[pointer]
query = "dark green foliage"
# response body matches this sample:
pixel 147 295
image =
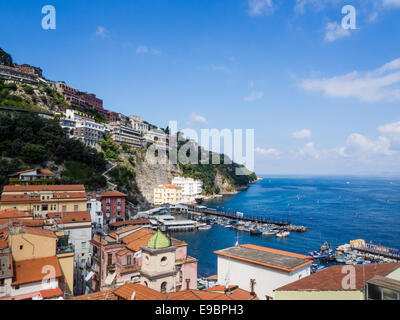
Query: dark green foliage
pixel 35 140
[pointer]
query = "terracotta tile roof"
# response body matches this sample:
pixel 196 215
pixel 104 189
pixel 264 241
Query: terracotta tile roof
pixel 235 293
pixel 141 292
pixel 16 198
pixel 47 171
pixel 40 232
pixel 331 278
pixel 214 277
pixel 51 293
pixel 13 213
pixel 28 271
pixel 68 195
pixel 102 295
pixel 113 194
pixel 129 270
pixel 129 222
pixel 30 188
pixel 42 171
pixel 196 295
pixel 24 222
pixel 141 233
pixel 79 216
pixel 268 257
pixel 123 252
pixel 123 230
pixel 3 243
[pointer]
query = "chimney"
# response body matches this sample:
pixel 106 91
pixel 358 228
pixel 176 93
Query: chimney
pixel 252 284
pixel 187 284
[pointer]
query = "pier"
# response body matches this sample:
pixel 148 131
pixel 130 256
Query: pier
pixel 201 210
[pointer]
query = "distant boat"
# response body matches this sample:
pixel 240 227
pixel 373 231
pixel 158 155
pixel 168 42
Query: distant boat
pixel 348 182
pixel 255 232
pixel 270 232
pixel 283 234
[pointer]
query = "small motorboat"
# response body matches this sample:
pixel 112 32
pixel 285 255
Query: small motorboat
pixel 271 232
pixel 203 226
pixel 255 232
pixel 283 234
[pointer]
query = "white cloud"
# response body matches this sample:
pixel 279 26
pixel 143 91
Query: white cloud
pixel 272 152
pixel 254 96
pixel 195 118
pixel 382 84
pixel 101 32
pixel 391 3
pixel 358 145
pixel 143 49
pixel 334 31
pixel 260 7
pixel 302 134
pixel 392 130
pixel 309 151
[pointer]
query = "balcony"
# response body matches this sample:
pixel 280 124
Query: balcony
pixel 111 268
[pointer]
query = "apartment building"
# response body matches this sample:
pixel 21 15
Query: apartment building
pixel 167 194
pixel 191 189
pixel 32 176
pixel 125 134
pixel 113 206
pixel 96 213
pixel 42 199
pixel 156 137
pixel 93 102
pixel 18 74
pixel 138 124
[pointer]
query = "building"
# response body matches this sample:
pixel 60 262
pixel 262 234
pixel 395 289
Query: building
pixel 137 291
pixel 71 95
pixel 113 206
pixel 32 176
pixel 43 199
pixel 259 269
pixel 83 127
pixel 96 214
pixel 385 286
pixel 138 124
pixel 167 194
pixel 156 137
pixel 335 283
pixel 93 102
pixel 78 227
pixel 117 259
pixel 37 253
pixel 125 134
pixel 18 74
pixel 169 223
pixel 191 189
pixel 6 272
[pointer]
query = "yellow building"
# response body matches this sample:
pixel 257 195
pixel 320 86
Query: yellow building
pixel 345 282
pixel 36 245
pixel 167 194
pixel 40 200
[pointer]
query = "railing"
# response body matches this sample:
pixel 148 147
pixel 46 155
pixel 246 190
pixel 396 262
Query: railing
pixel 65 249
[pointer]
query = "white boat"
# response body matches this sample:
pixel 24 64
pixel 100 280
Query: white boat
pixel 283 234
pixel 270 232
pixel 203 226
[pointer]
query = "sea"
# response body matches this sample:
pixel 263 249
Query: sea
pixel 334 209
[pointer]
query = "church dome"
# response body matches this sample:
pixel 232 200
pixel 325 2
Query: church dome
pixel 158 241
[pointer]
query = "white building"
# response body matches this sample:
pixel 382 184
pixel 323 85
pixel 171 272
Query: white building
pixel 124 134
pixel 157 137
pixel 94 207
pixel 260 269
pixel 191 189
pixel 78 226
pixel 138 124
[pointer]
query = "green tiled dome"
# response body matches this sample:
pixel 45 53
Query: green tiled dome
pixel 158 241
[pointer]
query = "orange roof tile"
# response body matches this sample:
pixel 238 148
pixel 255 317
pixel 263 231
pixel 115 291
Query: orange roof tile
pixel 51 293
pixel 16 198
pixel 141 292
pixel 123 230
pixel 123 252
pixel 102 295
pixel 214 277
pixel 40 232
pixel 30 188
pixel 28 271
pixel 331 278
pixel 168 186
pixel 113 194
pixel 78 216
pixel 235 292
pixel 196 295
pixel 13 213
pixel 47 171
pixel 24 222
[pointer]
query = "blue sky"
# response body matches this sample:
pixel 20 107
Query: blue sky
pixel 322 100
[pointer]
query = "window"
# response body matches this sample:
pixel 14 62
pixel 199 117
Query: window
pixel 163 261
pixel 1 282
pixel 76 207
pixel 64 208
pixel 164 287
pixel 21 247
pixel 129 260
pixel 45 207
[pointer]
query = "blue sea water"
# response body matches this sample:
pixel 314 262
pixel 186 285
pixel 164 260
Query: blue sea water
pixel 332 210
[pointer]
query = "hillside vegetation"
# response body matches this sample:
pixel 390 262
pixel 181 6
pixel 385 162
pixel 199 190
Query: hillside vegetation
pixel 28 141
